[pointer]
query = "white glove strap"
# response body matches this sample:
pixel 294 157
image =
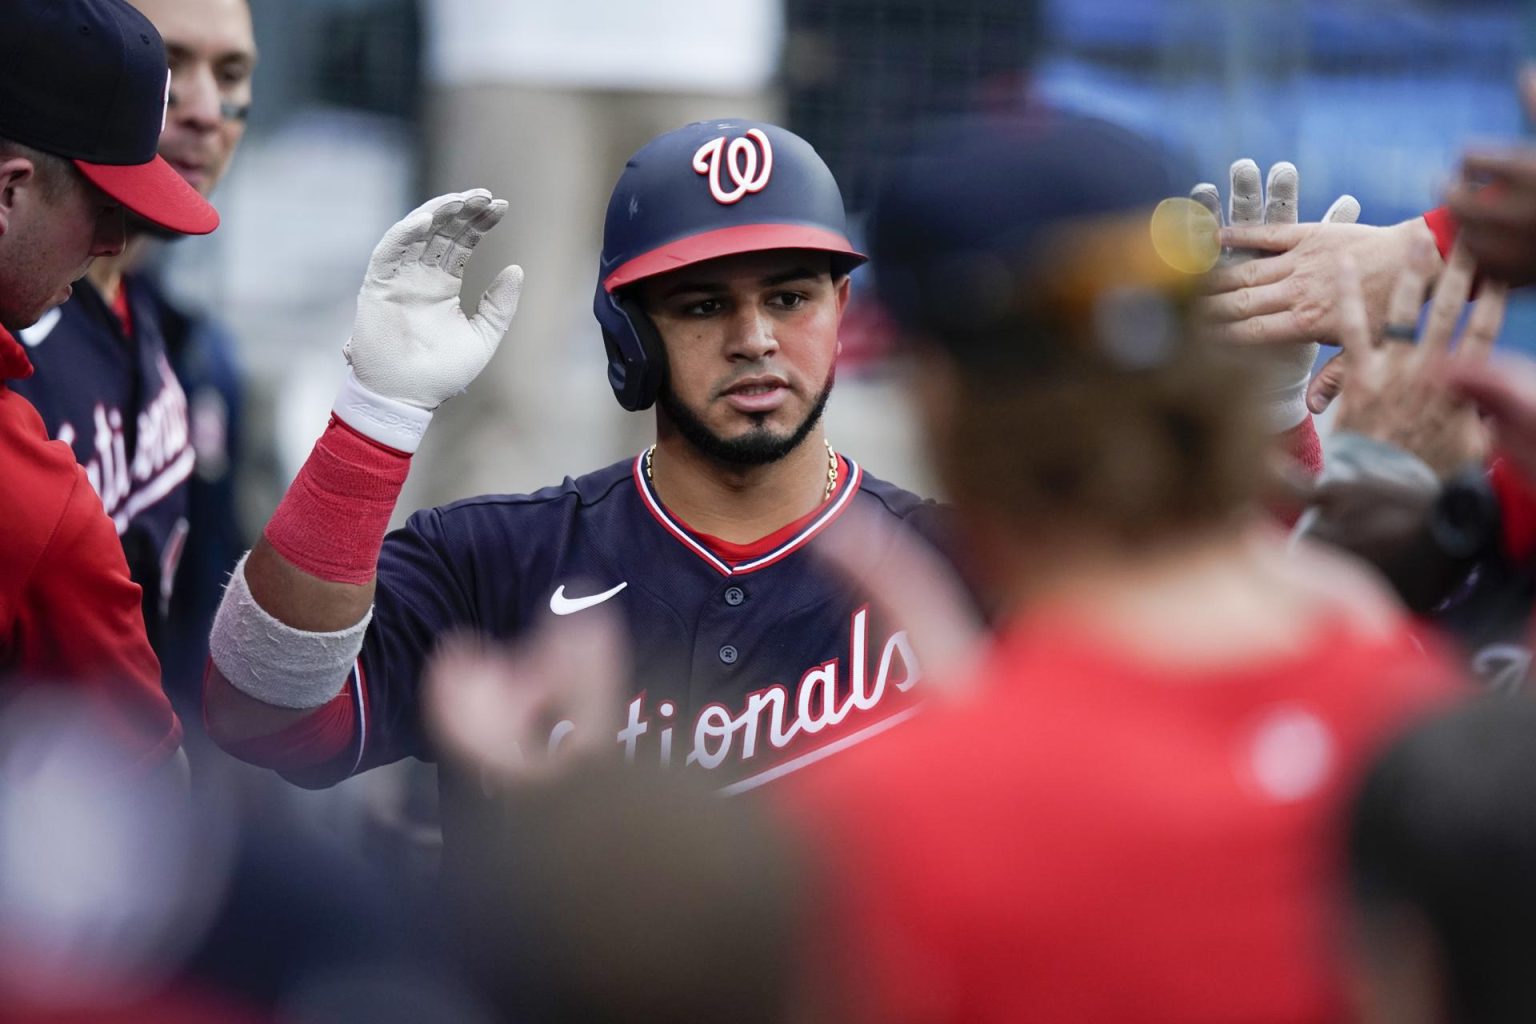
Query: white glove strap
pixel 385 420
pixel 273 662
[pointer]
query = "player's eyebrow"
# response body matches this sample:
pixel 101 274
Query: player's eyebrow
pixel 720 287
pixel 175 52
pixel 795 274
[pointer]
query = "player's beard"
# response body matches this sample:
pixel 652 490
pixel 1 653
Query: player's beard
pixel 758 446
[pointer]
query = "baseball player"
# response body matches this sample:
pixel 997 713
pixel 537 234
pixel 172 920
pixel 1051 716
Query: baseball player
pixel 722 280
pixel 103 381
pixel 1129 818
pixel 82 99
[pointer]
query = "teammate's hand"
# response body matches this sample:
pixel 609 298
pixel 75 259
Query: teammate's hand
pixel 912 584
pixel 411 341
pixel 1397 390
pixel 1285 364
pixel 1294 295
pixel 527 714
pixel 1505 391
pixel 1495 203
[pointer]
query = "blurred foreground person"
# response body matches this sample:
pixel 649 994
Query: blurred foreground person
pixel 122 902
pixel 1442 838
pixel 1126 810
pixel 103 380
pixel 82 98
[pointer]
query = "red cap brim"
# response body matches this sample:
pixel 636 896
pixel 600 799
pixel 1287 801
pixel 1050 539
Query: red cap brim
pixel 155 192
pixel 729 242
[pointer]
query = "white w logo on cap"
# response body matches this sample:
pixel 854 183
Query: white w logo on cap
pixel 741 164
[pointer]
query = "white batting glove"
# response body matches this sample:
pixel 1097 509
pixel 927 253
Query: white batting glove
pixel 412 347
pixel 1284 370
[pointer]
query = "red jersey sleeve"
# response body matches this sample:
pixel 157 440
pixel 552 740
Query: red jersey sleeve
pixel 80 621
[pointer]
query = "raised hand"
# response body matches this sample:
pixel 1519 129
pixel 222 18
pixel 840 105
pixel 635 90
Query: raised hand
pixel 411 341
pixel 1293 295
pixel 527 714
pixel 1397 390
pixel 1285 363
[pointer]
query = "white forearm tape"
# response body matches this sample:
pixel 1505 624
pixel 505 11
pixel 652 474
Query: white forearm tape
pixel 1284 372
pixel 273 662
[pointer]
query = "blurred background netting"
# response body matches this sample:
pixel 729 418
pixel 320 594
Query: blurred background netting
pixel 363 108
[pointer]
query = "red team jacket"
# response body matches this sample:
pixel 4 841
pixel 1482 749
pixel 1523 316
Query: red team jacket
pixel 1098 840
pixel 69 614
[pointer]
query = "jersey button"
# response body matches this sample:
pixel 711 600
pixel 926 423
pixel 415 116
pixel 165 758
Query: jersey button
pixel 729 654
pixel 734 596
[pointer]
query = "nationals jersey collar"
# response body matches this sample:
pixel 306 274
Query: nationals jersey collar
pixel 830 510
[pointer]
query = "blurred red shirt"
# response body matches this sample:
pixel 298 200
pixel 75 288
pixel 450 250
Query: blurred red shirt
pixel 1090 838
pixel 69 614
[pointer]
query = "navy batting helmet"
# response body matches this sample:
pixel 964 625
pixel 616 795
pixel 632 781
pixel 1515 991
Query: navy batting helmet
pixel 708 189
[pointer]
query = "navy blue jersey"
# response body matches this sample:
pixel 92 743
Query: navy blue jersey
pixel 203 355
pixel 113 398
pixel 749 671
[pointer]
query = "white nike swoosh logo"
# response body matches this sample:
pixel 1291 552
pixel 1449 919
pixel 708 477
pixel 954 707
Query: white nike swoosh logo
pixel 562 605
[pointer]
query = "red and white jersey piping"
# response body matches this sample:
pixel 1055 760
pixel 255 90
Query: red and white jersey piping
pixel 834 508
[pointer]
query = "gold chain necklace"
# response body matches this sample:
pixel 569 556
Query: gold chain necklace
pixel 650 454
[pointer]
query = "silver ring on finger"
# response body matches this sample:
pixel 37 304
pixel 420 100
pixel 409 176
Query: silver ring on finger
pixel 1401 332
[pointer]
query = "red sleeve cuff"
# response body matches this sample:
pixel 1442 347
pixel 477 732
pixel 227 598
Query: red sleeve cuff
pixel 1442 224
pixel 312 741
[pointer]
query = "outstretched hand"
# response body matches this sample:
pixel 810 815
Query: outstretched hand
pixel 1293 296
pixel 411 340
pixel 1397 390
pixel 907 580
pixel 1505 391
pixel 1283 365
pixel 529 713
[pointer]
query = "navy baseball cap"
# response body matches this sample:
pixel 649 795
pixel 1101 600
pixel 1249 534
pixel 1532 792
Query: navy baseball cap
pixel 967 231
pixel 88 80
pixel 719 188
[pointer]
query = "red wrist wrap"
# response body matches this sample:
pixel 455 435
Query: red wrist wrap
pixel 1517 510
pixel 331 523
pixel 1303 445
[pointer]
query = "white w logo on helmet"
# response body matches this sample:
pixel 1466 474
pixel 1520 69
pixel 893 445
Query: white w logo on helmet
pixel 741 164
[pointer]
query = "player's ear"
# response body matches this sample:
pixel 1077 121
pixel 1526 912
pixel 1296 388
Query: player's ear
pixel 844 290
pixel 15 173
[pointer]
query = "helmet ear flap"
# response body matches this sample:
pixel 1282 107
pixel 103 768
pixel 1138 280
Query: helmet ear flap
pixel 637 359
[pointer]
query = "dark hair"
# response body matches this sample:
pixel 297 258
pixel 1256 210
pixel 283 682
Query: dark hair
pixel 1131 455
pixel 1445 826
